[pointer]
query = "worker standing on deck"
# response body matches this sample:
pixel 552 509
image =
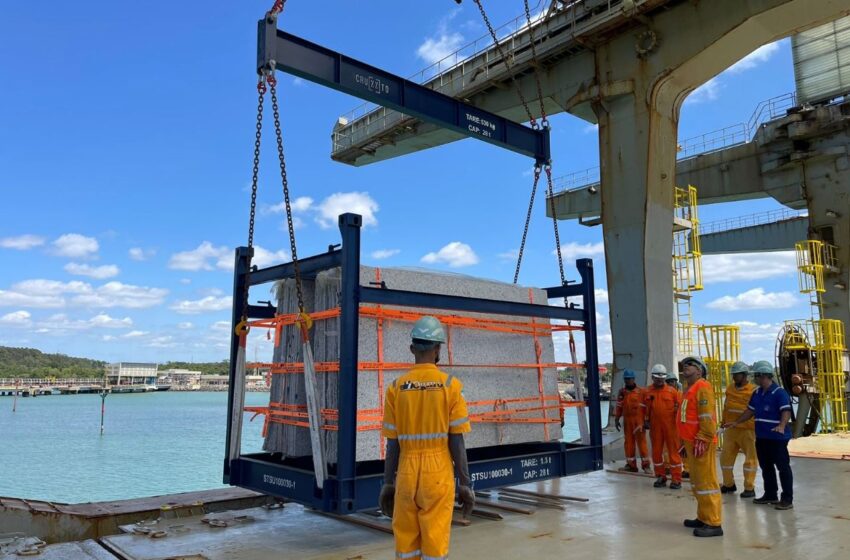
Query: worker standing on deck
pixel 630 405
pixel 662 406
pixel 673 381
pixel 698 429
pixel 771 407
pixel 425 418
pixel 741 437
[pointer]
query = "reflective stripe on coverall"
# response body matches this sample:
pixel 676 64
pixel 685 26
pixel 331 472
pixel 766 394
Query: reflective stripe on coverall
pixel 662 404
pixel 631 406
pixel 741 438
pixel 697 421
pixel 421 409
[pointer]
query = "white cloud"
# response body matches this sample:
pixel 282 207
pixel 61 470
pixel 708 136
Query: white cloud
pixel 511 255
pixel 755 58
pixel 118 294
pixel 99 272
pixel 339 203
pixel 264 257
pixel 139 254
pixel 134 334
pixel 756 298
pixel 200 258
pixel 591 128
pixel 601 296
pixel 748 266
pixel 107 337
pixel 22 242
pixel 203 305
pixel 16 318
pixel 298 81
pixel 385 253
pixel 455 254
pixel 185 325
pixel 75 246
pixel 11 298
pixel 165 341
pixel 442 43
pixel 51 293
pixel 758 332
pixel 575 250
pixel 438 47
pixel 709 91
pixel 60 324
pixel 300 204
pixel 105 321
pixel 185 280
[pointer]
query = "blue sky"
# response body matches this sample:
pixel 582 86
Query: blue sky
pixel 125 153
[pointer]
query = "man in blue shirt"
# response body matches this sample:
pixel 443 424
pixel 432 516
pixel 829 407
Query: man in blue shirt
pixel 771 407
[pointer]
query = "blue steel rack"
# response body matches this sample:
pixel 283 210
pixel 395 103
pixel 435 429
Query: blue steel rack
pixel 352 485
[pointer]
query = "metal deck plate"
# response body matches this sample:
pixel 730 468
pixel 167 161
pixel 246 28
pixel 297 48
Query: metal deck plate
pixel 625 518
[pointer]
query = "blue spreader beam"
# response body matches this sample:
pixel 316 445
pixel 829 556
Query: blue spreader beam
pixel 278 50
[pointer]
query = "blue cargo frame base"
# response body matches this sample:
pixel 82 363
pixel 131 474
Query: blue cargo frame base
pixel 352 486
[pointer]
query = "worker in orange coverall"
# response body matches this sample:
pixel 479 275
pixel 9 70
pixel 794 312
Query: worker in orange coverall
pixel 698 429
pixel 662 406
pixel 630 404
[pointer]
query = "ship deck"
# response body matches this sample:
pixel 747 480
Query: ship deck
pixel 625 517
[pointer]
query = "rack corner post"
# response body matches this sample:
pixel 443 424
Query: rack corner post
pixel 349 226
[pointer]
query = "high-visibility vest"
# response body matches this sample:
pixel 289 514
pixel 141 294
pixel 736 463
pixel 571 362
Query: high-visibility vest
pixel 689 413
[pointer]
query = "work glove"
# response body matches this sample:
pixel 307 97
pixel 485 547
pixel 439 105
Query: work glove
pixel 466 497
pixel 387 499
pixel 699 447
pixel 617 424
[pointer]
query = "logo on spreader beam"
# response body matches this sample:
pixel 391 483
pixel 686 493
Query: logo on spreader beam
pixel 421 386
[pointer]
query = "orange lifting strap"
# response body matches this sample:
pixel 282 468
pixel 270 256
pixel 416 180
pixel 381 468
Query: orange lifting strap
pixel 505 411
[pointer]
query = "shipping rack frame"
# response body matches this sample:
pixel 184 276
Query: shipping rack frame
pixel 353 486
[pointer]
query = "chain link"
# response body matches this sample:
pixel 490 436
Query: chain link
pixel 537 170
pixel 508 63
pixel 550 192
pixel 258 135
pixel 285 183
pixel 544 121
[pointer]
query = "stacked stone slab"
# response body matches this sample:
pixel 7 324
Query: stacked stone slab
pixel 469 346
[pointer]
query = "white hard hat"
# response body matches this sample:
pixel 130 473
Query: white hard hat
pixel 658 370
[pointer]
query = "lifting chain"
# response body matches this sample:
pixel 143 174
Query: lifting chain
pixel 508 63
pixel 285 183
pixel 258 135
pixel 544 122
pixel 537 170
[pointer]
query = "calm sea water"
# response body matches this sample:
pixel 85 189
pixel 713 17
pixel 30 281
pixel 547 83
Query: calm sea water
pixel 157 443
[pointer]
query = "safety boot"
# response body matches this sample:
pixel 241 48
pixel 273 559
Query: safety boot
pixel 675 485
pixel 693 523
pixel 764 500
pixel 708 531
pixel 748 494
pixel 660 482
pixel 628 468
pixel 647 469
pixel 782 505
pixel 728 489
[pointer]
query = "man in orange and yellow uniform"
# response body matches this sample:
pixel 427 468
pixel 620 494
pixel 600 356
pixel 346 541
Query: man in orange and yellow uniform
pixel 698 430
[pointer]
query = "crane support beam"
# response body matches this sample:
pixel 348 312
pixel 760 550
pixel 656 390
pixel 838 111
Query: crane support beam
pixel 283 51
